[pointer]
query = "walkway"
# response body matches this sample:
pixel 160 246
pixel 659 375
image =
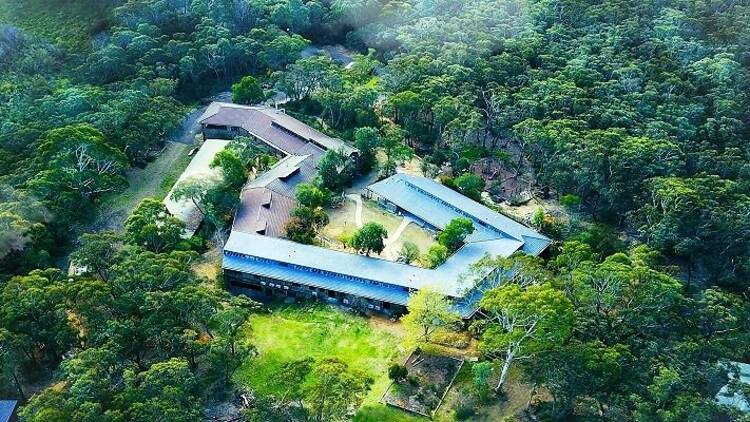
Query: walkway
pixel 358 212
pixel 389 251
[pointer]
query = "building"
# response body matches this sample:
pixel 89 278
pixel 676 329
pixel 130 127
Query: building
pixel 8 410
pixel 260 264
pixel 282 133
pixel 258 261
pixel 199 167
pixel 267 201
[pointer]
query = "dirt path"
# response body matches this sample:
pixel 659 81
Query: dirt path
pixel 358 212
pixel 393 237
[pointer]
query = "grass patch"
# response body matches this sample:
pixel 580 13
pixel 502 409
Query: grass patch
pixel 155 180
pixel 319 331
pixel 69 24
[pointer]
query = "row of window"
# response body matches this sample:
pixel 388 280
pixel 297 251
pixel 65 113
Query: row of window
pixel 318 271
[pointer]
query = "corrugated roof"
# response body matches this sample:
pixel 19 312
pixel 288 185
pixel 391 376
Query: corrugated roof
pixel 307 278
pixel 438 205
pixel 7 407
pixel 273 126
pixel 452 278
pixel 199 167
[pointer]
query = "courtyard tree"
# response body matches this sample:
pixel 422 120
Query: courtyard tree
pixel 523 321
pixel 152 227
pixel 232 167
pixel 248 91
pixel 454 234
pixel 336 170
pixel 369 238
pixel 395 148
pixel 312 196
pixel 429 311
pixel 332 389
pixel 409 252
pixel 436 255
pixel 304 224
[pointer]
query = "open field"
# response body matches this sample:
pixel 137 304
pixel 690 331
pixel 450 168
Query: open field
pixel 295 332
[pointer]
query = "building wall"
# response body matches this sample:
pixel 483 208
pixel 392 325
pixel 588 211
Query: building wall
pixel 262 287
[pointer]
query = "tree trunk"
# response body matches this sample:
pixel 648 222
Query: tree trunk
pixel 504 373
pixel 22 396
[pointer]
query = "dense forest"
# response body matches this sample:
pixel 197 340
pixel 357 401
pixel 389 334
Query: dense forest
pixel 633 115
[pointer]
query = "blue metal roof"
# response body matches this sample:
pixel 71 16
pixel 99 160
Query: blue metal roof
pixel 293 275
pixel 7 407
pixel 378 279
pixel 438 205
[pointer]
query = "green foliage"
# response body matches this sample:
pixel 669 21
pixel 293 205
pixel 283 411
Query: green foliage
pixel 369 238
pixel 470 185
pixel 397 373
pixel 232 167
pixel 409 252
pixel 335 170
pixel 247 91
pixel 332 389
pixel 312 196
pixel 429 312
pixel 454 234
pixel 152 227
pixel 367 140
pixel 436 255
pixel 305 223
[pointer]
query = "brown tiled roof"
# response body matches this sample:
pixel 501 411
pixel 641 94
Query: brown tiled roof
pixel 274 127
pixel 263 212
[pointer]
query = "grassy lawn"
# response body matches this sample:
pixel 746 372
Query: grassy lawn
pixel 342 224
pixel 153 181
pixel 68 23
pixel 317 330
pixel 417 235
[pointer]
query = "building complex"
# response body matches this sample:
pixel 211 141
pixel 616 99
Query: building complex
pixel 258 260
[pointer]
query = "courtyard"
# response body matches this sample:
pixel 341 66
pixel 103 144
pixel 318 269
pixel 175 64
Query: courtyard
pixel 355 211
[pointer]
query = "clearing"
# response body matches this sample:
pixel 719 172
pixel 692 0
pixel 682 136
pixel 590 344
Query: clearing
pixel 293 332
pixel 344 222
pixel 155 180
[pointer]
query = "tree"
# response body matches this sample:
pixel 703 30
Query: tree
pixel 470 185
pixel 397 373
pixel 522 322
pixel 77 160
pixel 152 227
pixel 454 234
pixel 247 91
pixel 369 238
pixel 436 255
pixel 409 252
pixel 97 253
pixel 332 389
pixel 336 170
pixel 367 140
pixel 429 312
pixel 304 224
pixel 312 196
pixel 232 168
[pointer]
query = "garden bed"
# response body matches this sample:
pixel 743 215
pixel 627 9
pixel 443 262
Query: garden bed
pixel 429 377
